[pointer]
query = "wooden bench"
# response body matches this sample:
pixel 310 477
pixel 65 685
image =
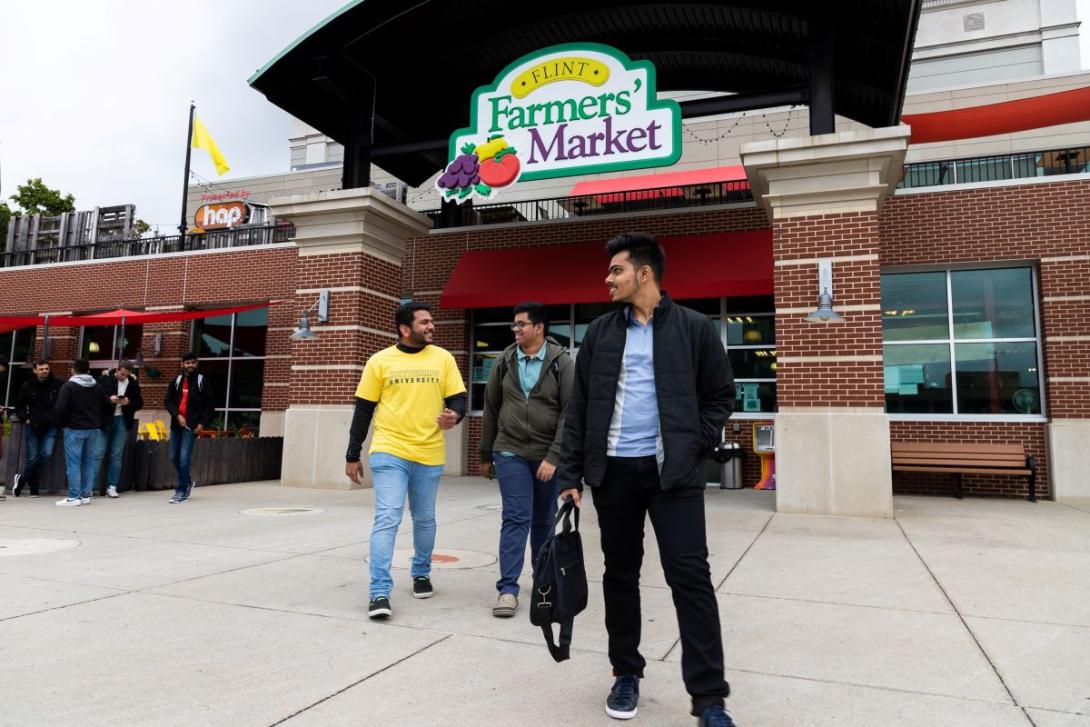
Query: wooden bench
pixel 966 459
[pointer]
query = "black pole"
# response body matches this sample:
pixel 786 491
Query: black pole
pixel 182 226
pixel 121 343
pixel 822 86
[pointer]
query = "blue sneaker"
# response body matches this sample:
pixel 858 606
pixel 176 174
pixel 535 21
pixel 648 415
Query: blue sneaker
pixel 715 716
pixel 624 697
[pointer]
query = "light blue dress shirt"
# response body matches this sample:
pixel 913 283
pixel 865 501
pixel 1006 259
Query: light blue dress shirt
pixel 634 429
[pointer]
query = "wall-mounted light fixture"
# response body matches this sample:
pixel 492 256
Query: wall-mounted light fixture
pixel 825 312
pixel 157 344
pixel 303 332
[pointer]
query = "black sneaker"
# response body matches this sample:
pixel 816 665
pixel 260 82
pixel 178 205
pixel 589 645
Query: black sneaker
pixel 16 484
pixel 422 587
pixel 624 697
pixel 715 716
pixel 379 607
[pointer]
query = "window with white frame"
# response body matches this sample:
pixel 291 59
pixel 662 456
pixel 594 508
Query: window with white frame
pixel 746 326
pixel 231 352
pixel 962 342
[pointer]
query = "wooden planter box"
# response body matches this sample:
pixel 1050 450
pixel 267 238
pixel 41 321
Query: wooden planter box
pixel 146 464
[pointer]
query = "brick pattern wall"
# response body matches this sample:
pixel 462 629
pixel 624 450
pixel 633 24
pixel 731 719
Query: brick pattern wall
pixel 362 302
pixel 1047 224
pixel 818 363
pixel 203 280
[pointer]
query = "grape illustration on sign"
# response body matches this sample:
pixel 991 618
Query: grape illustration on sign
pixel 569 109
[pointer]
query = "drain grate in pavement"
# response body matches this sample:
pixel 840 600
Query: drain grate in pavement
pixel 34 546
pixel 280 511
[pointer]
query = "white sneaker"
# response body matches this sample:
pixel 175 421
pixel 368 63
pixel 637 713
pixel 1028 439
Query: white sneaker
pixel 111 492
pixel 68 502
pixel 85 501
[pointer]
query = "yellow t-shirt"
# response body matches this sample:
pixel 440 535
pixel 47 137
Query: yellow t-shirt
pixel 410 389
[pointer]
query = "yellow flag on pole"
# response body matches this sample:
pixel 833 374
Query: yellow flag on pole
pixel 203 140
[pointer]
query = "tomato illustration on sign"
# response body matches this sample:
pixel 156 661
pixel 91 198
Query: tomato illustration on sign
pixel 502 169
pixel 480 170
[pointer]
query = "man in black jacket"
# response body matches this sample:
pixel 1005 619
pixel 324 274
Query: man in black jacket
pixel 653 389
pixel 83 411
pixel 124 391
pixel 191 405
pixel 34 408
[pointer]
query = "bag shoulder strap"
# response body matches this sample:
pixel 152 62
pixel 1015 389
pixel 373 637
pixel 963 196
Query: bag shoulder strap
pixel 559 651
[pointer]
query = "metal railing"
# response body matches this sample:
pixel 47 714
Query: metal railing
pixel 108 249
pixel 554 208
pixel 996 167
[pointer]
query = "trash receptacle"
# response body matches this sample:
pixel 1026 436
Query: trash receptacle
pixel 729 457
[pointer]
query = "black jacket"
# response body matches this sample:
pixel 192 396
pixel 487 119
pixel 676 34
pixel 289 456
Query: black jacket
pixel 83 404
pixel 132 393
pixel 36 401
pixel 693 383
pixel 200 406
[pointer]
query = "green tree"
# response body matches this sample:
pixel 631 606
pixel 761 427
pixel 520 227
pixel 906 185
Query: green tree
pixel 5 215
pixel 140 228
pixel 34 198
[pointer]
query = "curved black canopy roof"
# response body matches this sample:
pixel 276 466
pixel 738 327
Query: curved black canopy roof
pixel 391 79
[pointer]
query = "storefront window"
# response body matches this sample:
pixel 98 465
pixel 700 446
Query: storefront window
pixel 983 359
pixel 17 346
pixel 103 345
pixel 231 351
pixel 745 325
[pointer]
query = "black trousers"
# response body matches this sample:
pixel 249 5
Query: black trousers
pixel 629 492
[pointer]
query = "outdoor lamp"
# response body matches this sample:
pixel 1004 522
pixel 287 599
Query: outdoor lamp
pixel 825 312
pixel 303 332
pixel 138 360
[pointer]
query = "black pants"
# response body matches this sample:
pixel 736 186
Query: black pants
pixel 629 492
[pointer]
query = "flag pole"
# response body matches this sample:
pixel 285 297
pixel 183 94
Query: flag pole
pixel 183 225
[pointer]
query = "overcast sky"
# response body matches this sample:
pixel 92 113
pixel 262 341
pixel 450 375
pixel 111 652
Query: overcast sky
pixel 95 93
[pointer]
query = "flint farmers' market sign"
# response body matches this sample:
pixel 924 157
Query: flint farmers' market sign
pixel 569 109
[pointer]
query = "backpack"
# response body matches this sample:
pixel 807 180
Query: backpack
pixel 560 582
pixel 200 383
pixel 554 367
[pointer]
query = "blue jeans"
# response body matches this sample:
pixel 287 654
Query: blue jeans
pixel 39 448
pixel 115 446
pixel 529 507
pixel 83 452
pixel 393 478
pixel 181 452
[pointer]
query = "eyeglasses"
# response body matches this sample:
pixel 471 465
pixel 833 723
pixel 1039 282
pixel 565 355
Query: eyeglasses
pixel 519 325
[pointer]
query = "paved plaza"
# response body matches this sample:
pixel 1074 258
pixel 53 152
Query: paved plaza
pixel 247 606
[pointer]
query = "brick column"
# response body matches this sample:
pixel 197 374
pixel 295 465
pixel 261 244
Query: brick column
pixel 823 194
pixel 350 242
pixel 1064 282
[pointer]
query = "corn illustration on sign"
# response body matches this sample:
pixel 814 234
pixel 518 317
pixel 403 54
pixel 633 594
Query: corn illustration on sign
pixel 579 108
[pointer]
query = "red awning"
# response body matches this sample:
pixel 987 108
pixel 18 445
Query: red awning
pixel 668 184
pixel 1007 117
pixel 130 317
pixel 697 266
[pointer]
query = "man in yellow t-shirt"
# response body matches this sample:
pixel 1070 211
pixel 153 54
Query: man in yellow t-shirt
pixel 414 392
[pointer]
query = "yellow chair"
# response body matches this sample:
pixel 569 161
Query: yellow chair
pixel 156 431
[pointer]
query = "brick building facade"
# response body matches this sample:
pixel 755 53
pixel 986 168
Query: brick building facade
pixel 1040 223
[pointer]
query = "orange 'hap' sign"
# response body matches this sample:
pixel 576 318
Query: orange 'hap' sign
pixel 221 214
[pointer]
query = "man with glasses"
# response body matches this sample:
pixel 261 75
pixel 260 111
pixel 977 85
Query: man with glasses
pixel 524 404
pixel 34 408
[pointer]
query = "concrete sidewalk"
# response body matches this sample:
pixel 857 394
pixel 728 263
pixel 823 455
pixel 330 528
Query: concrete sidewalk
pixel 959 613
